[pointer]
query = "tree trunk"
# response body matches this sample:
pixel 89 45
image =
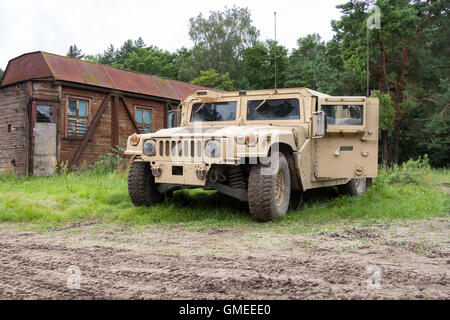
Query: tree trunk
pixel 383 68
pixel 384 148
pixel 395 142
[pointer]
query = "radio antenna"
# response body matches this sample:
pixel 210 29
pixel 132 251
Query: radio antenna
pixel 275 16
pixel 368 63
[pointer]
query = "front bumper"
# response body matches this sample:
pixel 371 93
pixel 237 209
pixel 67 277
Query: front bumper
pixel 182 174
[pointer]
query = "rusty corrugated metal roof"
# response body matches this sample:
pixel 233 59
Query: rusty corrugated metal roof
pixel 25 67
pixel 43 65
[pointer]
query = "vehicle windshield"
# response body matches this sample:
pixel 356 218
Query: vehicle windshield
pixel 212 112
pixel 279 109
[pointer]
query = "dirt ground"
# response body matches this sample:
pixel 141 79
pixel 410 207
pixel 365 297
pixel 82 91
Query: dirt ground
pixel 401 261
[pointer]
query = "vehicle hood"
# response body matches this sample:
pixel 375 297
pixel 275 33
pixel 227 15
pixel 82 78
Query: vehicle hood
pixel 217 131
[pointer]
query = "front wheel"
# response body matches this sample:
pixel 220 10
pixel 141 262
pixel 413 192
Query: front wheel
pixel 354 187
pixel 141 185
pixel 269 189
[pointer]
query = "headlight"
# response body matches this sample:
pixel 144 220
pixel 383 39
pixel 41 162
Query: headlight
pixel 149 148
pixel 240 140
pixel 212 149
pixel 250 139
pixel 134 140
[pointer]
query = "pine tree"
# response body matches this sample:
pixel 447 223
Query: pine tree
pixel 74 52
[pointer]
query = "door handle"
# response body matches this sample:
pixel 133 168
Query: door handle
pixel 369 140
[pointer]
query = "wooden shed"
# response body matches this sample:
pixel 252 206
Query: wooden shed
pixel 55 109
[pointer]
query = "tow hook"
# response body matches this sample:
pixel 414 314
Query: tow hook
pixel 156 171
pixel 201 173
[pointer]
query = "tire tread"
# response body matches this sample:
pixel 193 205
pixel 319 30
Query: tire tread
pixel 261 193
pixel 141 185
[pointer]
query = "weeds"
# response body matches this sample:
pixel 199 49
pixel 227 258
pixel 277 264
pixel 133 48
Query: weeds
pixel 415 172
pixel 100 193
pixel 110 162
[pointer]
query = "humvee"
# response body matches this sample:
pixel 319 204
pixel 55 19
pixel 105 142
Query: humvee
pixel 259 146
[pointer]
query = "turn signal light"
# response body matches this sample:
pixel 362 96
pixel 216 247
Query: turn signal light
pixel 251 140
pixel 134 139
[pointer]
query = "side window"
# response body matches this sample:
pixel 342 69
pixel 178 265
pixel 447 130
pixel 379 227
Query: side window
pixel 77 117
pixel 344 115
pixel 144 119
pixel 44 114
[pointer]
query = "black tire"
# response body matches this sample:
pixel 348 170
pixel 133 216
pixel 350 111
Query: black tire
pixel 354 187
pixel 266 200
pixel 141 185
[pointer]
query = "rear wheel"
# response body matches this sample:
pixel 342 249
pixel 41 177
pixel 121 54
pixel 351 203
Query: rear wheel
pixel 141 185
pixel 354 187
pixel 269 190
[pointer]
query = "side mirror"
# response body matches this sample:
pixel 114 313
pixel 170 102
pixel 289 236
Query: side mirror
pixel 319 124
pixel 177 116
pixel 171 119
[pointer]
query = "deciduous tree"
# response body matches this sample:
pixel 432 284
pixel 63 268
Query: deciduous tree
pixel 220 39
pixel 153 60
pixel 258 70
pixel 211 78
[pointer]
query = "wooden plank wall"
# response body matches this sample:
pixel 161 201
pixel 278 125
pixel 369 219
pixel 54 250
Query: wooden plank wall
pixel 102 138
pixel 13 112
pixel 13 129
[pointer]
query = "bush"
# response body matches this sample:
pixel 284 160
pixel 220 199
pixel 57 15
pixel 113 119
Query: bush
pixel 416 172
pixel 110 162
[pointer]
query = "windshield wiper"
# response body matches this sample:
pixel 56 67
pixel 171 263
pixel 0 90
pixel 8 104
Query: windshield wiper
pixel 201 107
pixel 262 103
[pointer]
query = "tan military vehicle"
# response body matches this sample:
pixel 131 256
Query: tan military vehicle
pixel 259 146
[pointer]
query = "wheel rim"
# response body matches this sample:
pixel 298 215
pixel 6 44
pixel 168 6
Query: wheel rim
pixel 279 189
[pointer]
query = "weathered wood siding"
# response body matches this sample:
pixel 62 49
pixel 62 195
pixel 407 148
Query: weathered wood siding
pixel 102 139
pixel 13 116
pixel 13 129
pixel 126 127
pixel 45 91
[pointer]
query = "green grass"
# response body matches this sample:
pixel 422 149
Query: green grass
pixel 75 197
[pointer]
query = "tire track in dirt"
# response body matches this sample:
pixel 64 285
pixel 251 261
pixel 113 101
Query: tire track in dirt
pixel 138 264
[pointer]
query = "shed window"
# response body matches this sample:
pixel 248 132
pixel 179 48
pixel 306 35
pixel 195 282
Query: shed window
pixel 144 119
pixel 44 113
pixel 77 118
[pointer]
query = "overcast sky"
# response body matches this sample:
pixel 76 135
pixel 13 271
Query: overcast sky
pixel 52 26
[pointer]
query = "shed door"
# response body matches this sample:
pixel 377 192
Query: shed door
pixel 44 140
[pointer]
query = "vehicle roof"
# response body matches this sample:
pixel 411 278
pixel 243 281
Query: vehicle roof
pixel 207 94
